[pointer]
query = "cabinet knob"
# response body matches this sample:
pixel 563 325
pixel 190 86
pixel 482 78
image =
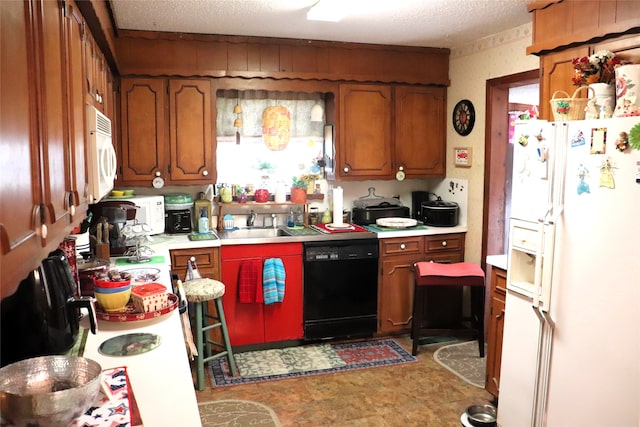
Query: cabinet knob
pixel 158 173
pixel 444 243
pixel 402 246
pixel 401 168
pixel 72 210
pixel 346 169
pixel 44 231
pixel 205 173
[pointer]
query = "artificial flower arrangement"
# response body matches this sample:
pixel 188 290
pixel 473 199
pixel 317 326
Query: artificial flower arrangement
pixel 597 68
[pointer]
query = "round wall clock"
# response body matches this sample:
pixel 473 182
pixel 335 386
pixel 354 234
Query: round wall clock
pixel 464 117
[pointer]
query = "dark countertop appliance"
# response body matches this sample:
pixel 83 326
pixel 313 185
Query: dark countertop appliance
pixel 371 207
pixel 42 317
pixel 177 213
pixel 439 213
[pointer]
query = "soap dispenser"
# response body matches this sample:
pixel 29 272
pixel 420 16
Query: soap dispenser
pixel 203 221
pixel 290 220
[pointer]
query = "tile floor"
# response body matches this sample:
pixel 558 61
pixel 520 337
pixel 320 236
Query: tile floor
pixel 414 394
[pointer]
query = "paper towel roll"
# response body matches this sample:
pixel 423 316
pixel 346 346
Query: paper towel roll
pixel 281 195
pixel 337 206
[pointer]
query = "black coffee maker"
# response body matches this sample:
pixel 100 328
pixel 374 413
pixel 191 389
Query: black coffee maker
pixel 42 317
pixel 417 197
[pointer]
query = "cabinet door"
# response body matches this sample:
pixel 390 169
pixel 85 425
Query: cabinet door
pixel 74 28
pixel 283 321
pixel 496 326
pixel 20 190
pixel 144 144
pixel 364 141
pixel 56 159
pixel 396 293
pixel 557 71
pixel 207 261
pixel 420 136
pixel 191 130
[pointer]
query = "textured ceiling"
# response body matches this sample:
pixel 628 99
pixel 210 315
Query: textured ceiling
pixel 434 23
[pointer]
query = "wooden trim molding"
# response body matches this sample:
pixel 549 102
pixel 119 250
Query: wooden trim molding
pixel 155 54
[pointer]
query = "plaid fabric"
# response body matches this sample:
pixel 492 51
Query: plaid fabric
pixel 250 281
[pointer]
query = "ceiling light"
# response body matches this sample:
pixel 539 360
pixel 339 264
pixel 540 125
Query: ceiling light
pixel 325 11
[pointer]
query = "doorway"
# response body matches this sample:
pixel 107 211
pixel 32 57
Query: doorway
pixel 496 160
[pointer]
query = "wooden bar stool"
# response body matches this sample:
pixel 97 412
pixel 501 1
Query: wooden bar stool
pixel 432 274
pixel 200 292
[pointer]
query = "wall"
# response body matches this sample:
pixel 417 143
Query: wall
pixel 495 56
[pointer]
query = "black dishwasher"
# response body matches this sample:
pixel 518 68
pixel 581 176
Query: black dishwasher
pixel 340 289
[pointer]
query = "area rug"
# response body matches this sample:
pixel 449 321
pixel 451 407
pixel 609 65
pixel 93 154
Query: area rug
pixel 294 362
pixel 463 360
pixel 238 413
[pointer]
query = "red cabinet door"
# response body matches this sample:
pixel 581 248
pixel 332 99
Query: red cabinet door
pixel 283 320
pixel 245 322
pixel 257 323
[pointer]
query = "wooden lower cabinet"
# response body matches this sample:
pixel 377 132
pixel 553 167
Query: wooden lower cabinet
pixel 396 280
pixel 207 261
pixel 257 323
pixel 497 293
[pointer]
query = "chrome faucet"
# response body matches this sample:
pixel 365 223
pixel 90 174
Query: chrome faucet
pixel 274 221
pixel 251 219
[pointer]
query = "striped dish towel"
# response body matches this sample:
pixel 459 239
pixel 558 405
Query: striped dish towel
pixel 273 278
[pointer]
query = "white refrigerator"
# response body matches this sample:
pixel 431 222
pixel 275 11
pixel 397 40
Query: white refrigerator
pixel 571 343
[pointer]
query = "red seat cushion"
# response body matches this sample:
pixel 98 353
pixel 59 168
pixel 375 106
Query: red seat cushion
pixel 456 274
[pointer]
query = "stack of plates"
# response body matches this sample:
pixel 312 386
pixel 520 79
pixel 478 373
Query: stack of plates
pixel 394 222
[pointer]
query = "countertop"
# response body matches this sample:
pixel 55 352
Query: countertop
pixel 161 378
pixel 499 261
pixel 181 241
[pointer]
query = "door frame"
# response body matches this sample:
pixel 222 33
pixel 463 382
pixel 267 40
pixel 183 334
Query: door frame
pixel 495 158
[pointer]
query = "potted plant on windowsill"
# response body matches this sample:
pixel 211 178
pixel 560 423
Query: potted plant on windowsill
pixel 299 190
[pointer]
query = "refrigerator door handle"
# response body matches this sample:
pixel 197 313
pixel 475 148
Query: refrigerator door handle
pixel 537 276
pixel 547 266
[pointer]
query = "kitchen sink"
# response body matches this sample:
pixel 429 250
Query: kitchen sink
pixel 255 233
pixel 267 232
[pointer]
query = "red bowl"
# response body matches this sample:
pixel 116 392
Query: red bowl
pixel 106 283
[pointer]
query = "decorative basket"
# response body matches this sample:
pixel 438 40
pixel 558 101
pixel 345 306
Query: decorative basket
pixel 569 108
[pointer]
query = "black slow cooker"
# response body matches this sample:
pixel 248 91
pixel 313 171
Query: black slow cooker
pixel 438 213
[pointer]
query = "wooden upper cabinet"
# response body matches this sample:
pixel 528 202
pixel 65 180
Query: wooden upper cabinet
pixel 19 166
pixel 367 146
pixel 557 71
pixel 364 147
pixel 190 125
pixel 42 164
pixel 420 135
pixel 167 131
pixel 559 24
pixel 74 55
pixel 55 161
pixel 144 144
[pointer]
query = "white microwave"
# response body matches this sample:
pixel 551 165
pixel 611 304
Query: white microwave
pixel 149 210
pixel 101 156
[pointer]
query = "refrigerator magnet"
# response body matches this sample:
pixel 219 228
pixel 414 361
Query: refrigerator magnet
pixel 606 176
pixel 578 139
pixel 598 140
pixel 622 143
pixel 583 186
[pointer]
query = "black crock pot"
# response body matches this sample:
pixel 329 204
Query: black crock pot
pixel 438 213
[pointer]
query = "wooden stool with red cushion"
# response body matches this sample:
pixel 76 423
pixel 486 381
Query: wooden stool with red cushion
pixel 432 274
